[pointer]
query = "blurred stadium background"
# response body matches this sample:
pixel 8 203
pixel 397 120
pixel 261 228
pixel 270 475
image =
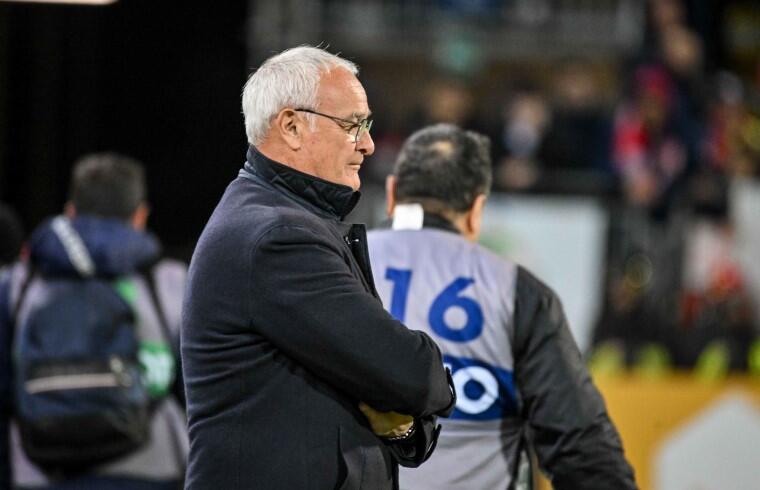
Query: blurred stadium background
pixel 626 142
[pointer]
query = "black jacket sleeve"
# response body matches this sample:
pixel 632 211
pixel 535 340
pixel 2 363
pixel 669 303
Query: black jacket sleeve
pixel 575 442
pixel 412 451
pixel 319 314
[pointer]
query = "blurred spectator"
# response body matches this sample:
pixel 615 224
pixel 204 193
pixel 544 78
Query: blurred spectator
pixel 443 100
pixel 682 56
pixel 447 101
pixel 578 137
pixel 650 151
pixel 526 119
pixel 99 242
pixel 11 235
pixel 575 150
pixel 557 141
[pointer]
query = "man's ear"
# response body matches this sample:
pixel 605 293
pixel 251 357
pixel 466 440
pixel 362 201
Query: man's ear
pixel 69 210
pixel 139 219
pixel 390 195
pixel 290 127
pixel 474 217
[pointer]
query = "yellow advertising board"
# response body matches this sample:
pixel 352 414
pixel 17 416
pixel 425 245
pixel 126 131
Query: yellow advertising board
pixel 680 432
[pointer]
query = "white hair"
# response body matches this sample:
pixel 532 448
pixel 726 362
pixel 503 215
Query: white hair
pixel 288 79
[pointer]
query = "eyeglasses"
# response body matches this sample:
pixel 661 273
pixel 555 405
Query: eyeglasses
pixel 348 125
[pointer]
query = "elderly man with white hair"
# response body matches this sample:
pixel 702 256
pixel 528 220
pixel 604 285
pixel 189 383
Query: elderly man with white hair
pixel 296 377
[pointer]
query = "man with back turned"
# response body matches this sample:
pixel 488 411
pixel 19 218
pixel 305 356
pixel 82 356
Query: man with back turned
pixel 520 379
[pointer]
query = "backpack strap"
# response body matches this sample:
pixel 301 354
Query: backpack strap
pixel 75 248
pixel 150 280
pixel 13 312
pixel 178 390
pixel 30 275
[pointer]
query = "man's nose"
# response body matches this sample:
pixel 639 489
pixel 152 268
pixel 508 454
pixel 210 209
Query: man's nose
pixel 365 144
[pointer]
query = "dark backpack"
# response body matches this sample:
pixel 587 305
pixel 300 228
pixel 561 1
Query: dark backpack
pixel 79 396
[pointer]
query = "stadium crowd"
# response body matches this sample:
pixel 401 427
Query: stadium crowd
pixel 671 153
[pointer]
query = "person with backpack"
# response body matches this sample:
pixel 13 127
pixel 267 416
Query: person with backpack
pixel 89 389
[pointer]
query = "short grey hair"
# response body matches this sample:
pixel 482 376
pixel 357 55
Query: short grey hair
pixel 288 79
pixel 444 168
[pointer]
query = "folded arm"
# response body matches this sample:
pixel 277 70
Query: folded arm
pixel 320 315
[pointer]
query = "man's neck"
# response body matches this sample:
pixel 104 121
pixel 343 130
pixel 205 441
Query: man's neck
pixel 283 154
pixel 414 216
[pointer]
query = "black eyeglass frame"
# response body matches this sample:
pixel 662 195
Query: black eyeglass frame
pixel 365 123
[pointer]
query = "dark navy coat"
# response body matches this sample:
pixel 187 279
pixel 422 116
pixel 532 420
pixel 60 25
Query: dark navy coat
pixel 283 335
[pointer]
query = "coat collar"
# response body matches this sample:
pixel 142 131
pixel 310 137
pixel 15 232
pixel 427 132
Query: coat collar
pixel 324 197
pixel 438 222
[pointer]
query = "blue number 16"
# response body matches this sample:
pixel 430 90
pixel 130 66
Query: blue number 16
pixel 448 298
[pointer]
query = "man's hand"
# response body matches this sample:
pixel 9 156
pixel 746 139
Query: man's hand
pixel 387 424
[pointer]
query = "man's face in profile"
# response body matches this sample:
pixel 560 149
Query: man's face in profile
pixel 334 153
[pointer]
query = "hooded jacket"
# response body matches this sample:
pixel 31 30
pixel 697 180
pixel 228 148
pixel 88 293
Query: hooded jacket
pixel 115 250
pixel 283 335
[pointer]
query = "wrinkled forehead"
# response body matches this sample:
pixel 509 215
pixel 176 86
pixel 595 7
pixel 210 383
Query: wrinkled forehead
pixel 340 93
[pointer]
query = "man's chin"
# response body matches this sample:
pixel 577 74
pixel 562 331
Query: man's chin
pixel 353 181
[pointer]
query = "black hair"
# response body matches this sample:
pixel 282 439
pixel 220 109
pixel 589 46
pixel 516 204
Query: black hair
pixel 108 185
pixel 444 168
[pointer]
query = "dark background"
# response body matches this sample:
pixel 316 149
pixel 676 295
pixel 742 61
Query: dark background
pixel 142 77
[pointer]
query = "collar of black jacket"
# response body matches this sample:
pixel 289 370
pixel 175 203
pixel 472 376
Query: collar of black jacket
pixel 326 197
pixel 432 220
